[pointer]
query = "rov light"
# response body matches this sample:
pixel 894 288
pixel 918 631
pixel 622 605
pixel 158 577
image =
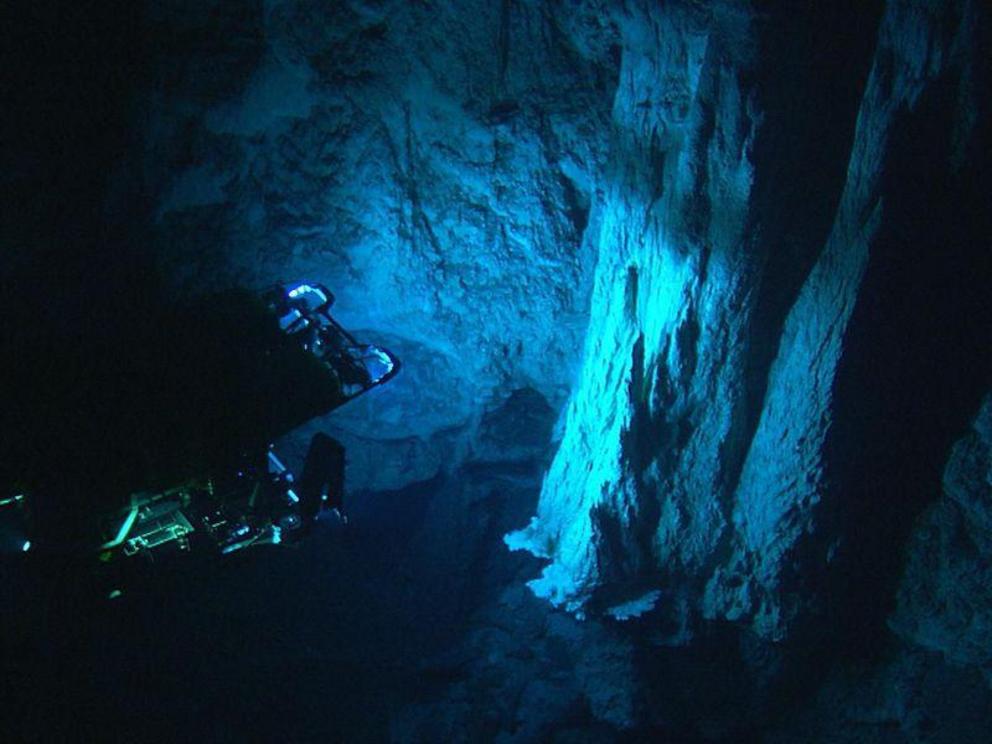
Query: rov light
pixel 308 292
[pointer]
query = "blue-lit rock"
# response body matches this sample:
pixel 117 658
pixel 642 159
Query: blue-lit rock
pixel 436 166
pixel 932 681
pixel 945 600
pixel 665 478
pixel 658 283
pixel 626 252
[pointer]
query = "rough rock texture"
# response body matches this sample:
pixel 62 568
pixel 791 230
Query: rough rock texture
pixel 708 276
pixel 522 674
pixel 945 599
pixel 747 199
pixel 434 164
pixel 931 681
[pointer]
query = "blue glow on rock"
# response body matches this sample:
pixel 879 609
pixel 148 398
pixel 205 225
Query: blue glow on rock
pixel 635 607
pixel 629 254
pixel 639 299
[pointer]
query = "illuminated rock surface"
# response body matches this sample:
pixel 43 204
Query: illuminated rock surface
pixel 689 443
pixel 436 166
pixel 693 456
pixel 685 220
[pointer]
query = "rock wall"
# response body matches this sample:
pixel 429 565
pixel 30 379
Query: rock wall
pixel 735 251
pixel 930 680
pixel 751 192
pixel 436 165
pixel 943 601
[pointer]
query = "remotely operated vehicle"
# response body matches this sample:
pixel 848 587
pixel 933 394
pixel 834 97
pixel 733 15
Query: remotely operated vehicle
pixel 245 369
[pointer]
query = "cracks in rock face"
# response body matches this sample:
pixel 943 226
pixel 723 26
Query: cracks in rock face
pixel 656 165
pixel 503 42
pixel 795 134
pixel 806 137
pixel 902 399
pixel 407 178
pixel 577 205
pixel 696 210
pixel 630 310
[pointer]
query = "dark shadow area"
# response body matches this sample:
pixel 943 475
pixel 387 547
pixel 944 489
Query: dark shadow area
pixel 525 419
pixel 394 517
pixel 707 691
pixel 813 62
pixel 71 74
pixel 73 277
pixel 313 642
pixel 917 359
pixel 277 644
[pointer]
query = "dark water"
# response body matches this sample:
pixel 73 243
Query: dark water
pixel 318 642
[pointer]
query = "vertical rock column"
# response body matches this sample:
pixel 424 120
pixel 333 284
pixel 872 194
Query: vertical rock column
pixel 746 197
pixel 790 501
pixel 662 377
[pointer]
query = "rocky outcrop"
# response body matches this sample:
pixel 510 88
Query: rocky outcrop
pixel 944 600
pixel 696 190
pixel 435 164
pixel 930 680
pixel 734 251
pixel 744 211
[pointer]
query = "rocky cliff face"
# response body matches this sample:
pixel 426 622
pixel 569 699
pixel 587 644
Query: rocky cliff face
pixel 436 165
pixel 747 235
pixel 736 252
pixel 943 601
